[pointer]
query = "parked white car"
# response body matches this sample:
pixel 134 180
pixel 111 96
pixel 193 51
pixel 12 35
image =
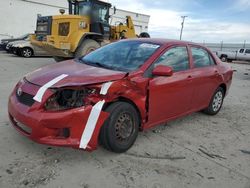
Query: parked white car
pixel 241 54
pixel 25 49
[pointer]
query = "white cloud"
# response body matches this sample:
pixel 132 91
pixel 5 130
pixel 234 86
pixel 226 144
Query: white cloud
pixel 167 23
pixel 241 5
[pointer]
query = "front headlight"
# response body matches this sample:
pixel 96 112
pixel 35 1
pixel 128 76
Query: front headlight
pixel 68 99
pixel 42 28
pixel 19 46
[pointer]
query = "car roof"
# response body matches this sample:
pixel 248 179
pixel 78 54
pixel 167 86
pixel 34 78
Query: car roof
pixel 163 41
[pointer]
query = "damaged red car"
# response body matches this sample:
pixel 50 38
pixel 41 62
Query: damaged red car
pixel 109 95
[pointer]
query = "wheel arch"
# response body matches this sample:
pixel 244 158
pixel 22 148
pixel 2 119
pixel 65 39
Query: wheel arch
pixel 127 100
pixel 223 55
pixel 224 87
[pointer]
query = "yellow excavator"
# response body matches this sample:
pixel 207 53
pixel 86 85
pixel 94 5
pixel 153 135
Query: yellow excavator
pixel 83 30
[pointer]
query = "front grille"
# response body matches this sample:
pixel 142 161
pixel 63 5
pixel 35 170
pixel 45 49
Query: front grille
pixel 25 99
pixel 43 28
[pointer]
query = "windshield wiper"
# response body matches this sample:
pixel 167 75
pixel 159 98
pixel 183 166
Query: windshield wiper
pixel 97 64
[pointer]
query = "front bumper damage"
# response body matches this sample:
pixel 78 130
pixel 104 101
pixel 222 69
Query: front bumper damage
pixel 64 128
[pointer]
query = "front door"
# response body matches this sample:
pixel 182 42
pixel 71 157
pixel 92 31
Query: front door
pixel 170 97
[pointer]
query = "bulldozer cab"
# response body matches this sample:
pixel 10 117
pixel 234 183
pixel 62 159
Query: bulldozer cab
pixel 97 11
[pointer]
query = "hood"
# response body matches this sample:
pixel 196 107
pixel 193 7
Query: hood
pixel 17 42
pixel 21 42
pixel 10 40
pixel 78 74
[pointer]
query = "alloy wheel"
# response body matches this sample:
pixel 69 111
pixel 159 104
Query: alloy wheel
pixel 217 101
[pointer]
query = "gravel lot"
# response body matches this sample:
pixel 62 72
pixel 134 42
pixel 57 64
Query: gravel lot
pixel 194 151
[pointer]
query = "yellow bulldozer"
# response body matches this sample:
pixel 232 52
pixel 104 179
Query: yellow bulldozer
pixel 83 30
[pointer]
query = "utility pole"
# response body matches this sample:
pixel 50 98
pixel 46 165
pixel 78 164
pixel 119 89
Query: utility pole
pixel 182 25
pixel 244 45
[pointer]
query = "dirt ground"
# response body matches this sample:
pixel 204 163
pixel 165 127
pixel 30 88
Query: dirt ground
pixel 194 151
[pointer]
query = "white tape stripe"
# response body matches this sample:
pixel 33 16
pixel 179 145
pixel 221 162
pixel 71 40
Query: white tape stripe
pixel 105 88
pixel 93 118
pixel 39 95
pixel 91 124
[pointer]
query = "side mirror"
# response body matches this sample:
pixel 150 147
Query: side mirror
pixel 162 70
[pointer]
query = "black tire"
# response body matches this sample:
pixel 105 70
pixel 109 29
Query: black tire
pixel 144 35
pixel 216 102
pixel 120 130
pixel 223 58
pixel 26 52
pixel 59 59
pixel 87 46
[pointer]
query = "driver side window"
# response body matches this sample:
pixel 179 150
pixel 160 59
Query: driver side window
pixel 176 57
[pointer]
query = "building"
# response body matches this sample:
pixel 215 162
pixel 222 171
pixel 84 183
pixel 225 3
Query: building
pixel 18 17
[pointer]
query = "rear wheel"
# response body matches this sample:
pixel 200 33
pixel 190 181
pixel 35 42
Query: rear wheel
pixel 87 46
pixel 216 102
pixel 59 59
pixel 120 130
pixel 144 35
pixel 26 52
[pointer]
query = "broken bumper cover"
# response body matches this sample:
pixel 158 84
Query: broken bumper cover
pixel 62 128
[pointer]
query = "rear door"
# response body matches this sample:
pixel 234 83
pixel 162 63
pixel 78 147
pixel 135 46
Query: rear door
pixel 206 77
pixel 240 54
pixel 170 97
pixel 246 55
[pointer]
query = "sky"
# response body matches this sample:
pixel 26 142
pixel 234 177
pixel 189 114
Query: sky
pixel 207 21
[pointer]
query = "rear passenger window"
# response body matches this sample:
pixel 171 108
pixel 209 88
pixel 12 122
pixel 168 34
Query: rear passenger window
pixel 247 51
pixel 241 50
pixel 201 58
pixel 176 57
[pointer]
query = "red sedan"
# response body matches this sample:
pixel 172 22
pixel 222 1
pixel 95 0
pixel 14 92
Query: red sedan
pixel 110 94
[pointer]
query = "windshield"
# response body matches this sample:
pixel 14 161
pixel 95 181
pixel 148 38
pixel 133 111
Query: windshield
pixel 124 56
pixel 84 8
pixel 100 13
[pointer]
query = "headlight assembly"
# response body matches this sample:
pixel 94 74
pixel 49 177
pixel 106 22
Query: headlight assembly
pixel 68 99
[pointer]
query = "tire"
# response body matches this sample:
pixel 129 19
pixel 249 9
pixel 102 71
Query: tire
pixel 87 46
pixel 27 52
pixel 120 130
pixel 216 102
pixel 144 35
pixel 59 59
pixel 223 58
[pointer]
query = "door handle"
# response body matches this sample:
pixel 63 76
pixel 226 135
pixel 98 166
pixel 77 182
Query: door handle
pixel 189 77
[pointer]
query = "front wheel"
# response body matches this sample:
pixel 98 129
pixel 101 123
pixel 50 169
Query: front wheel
pixel 87 46
pixel 26 52
pixel 59 59
pixel 120 130
pixel 223 58
pixel 216 102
